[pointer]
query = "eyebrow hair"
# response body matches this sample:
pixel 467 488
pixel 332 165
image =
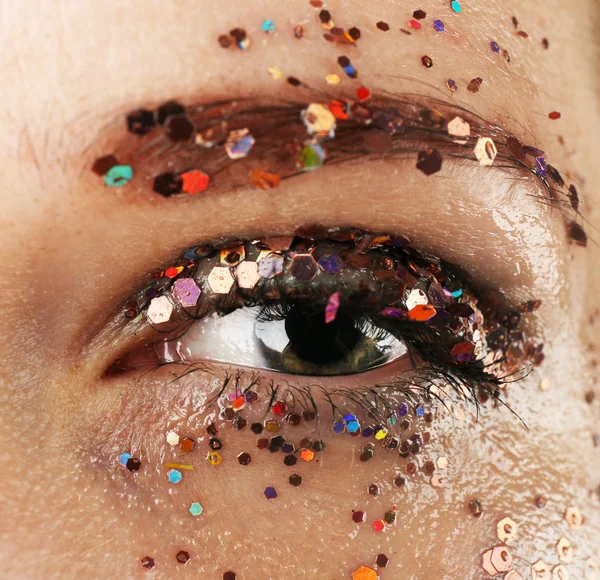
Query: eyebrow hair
pixel 421 123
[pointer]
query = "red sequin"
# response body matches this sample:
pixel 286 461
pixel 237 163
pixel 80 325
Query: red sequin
pixel 194 182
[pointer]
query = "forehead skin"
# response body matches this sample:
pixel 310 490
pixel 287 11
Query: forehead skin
pixel 68 73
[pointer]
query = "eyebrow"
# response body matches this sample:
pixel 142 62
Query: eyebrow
pixel 377 128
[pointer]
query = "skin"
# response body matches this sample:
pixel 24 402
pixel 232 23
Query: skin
pixel 73 251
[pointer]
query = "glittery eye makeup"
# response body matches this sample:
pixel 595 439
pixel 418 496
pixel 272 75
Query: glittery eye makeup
pixel 325 303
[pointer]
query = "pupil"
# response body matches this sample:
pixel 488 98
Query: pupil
pixel 312 340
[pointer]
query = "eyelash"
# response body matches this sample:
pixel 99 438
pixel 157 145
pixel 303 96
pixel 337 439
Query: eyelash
pixel 471 380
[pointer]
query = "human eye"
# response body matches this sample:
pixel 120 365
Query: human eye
pixel 327 303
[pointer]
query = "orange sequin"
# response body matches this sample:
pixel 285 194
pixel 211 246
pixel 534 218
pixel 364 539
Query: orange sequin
pixel 238 404
pixel 338 108
pixel 307 454
pixel 422 312
pixel 364 573
pixel 194 182
pixel 264 179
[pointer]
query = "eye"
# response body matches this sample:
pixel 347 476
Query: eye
pixel 319 303
pixel 299 340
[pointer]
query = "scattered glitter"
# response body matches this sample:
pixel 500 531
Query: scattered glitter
pixel 270 493
pixel 364 573
pixel 186 292
pixel 495 46
pixel 196 509
pixel 179 128
pixel 332 307
pixel 264 180
pixel 363 94
pixel 312 157
pixel 194 182
pixel 167 184
pixel 319 120
pixel 564 549
pixel 427 62
pixel 429 161
pixel 118 175
pixel 540 571
pixel 239 143
pixel 220 280
pixel 174 476
pixel 476 508
pixel 147 562
pixel 295 480
pixel 359 517
pixel 179 466
pixel 307 455
pixel 458 127
pixel 554 115
pixel 506 530
pixel 274 72
pixel 485 151
pixel 474 85
pixel 497 560
pixel 349 69
pixel 383 26
pixel 574 517
pixel 188 444
pixel 182 557
pixel 214 458
pixel 104 164
pixel 160 310
pixel 438 25
pixel 268 26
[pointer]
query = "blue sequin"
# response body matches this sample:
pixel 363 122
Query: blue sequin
pixel 118 175
pixel 368 432
pixel 420 411
pixel 339 427
pixel 268 26
pixel 353 426
pixel 123 459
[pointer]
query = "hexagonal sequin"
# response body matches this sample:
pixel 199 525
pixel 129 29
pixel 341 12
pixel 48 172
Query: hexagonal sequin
pixel 186 292
pixel 174 475
pixel 220 280
pixel 247 274
pixel 303 267
pixel 485 151
pixel 270 266
pixel 232 256
pixel 196 509
pixel 160 310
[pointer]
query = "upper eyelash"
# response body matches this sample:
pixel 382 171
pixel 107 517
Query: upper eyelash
pixel 465 380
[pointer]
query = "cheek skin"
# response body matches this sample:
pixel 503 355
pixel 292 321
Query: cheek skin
pixel 306 529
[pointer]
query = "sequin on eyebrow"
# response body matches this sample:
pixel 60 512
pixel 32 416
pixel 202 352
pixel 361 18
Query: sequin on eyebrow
pixel 118 175
pixel 485 151
pixel 239 143
pixel 429 161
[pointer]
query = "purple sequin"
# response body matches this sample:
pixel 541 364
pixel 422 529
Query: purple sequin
pixel 541 166
pixel 186 292
pixel 438 25
pixel 332 264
